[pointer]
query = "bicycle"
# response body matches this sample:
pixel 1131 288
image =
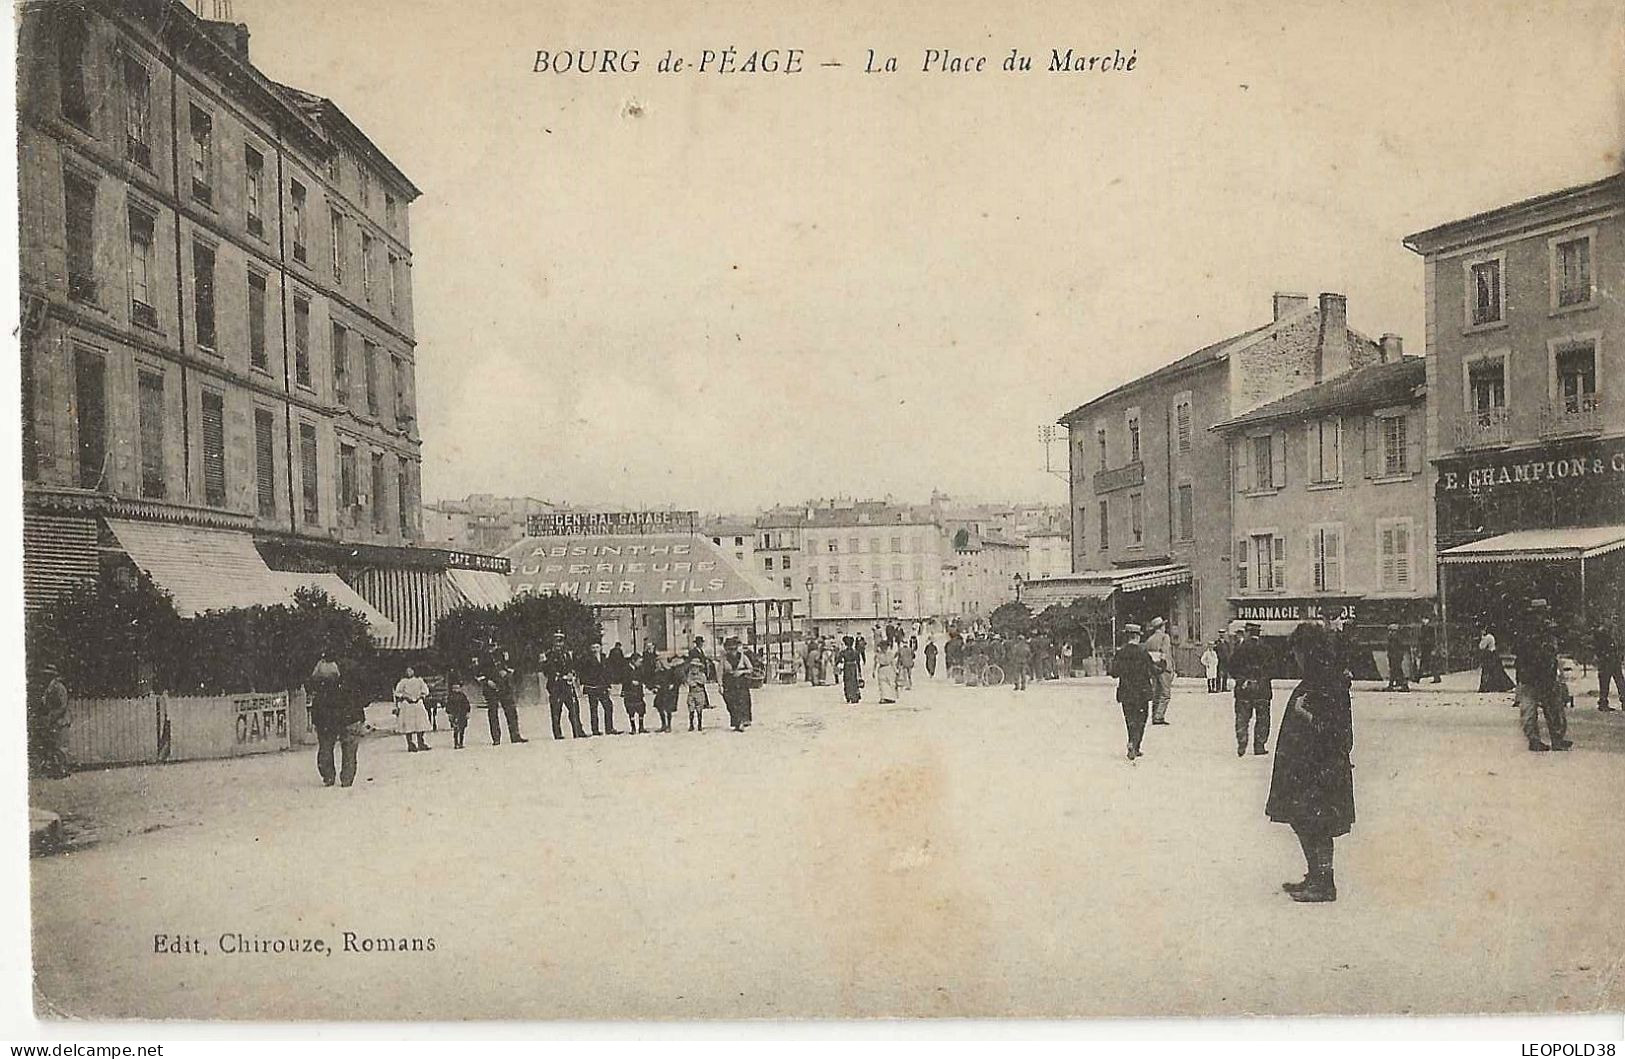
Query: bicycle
pixel 990 675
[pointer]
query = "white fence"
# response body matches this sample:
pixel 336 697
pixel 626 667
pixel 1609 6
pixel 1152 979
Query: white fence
pixel 154 728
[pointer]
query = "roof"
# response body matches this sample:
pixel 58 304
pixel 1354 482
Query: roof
pixel 329 116
pixel 1540 209
pixel 1209 354
pixel 641 570
pixel 1568 542
pixel 1098 584
pixel 1369 387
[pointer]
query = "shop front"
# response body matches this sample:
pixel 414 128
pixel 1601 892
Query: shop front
pixel 1366 620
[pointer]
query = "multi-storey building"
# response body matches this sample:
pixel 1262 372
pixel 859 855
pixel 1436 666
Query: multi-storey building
pixel 1526 361
pixel 218 347
pixel 1330 502
pixel 481 522
pixel 1049 554
pixel 1150 503
pixel 873 560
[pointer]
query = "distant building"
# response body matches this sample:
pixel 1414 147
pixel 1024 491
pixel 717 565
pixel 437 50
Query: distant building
pixel 1049 553
pixel 481 522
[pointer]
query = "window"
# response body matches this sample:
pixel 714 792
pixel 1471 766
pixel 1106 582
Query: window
pixel 1100 447
pixel 256 321
pixel 341 366
pixel 389 212
pixel 401 377
pixel 1391 429
pixel 369 367
pixel 309 486
pixel 137 112
pixel 150 425
pixel 1133 419
pixel 852 545
pixel 834 572
pixel 297 207
pixel 1571 271
pixel 143 268
pixel 347 483
pixel 919 568
pixel 380 519
pixel 1182 424
pixel 855 600
pixel 365 178
pixel 897 544
pixel 301 341
pixel 333 167
pixel 1484 292
pixel 1187 512
pixel 1575 366
pixel 1263 462
pixel 1269 562
pixel 1326 451
pixel 202 127
pixel 403 497
pixel 214 449
pixel 72 42
pixel 265 461
pixel 254 180
pixel 767 563
pixel 1486 390
pixel 1395 538
pixel 90 416
pixel 835 599
pixel 79 202
pixel 874 544
pixel 896 571
pixel 366 266
pixel 394 286
pixel 1136 518
pixel 1328 549
pixel 336 221
pixel 834 545
pixel 1243 547
pixel 1105 525
pixel 786 583
pixel 203 296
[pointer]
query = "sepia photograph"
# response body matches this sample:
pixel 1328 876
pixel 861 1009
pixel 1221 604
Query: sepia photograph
pixel 629 512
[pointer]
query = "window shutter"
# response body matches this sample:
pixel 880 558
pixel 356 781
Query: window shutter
pixel 1402 556
pixel 1278 459
pixel 1387 534
pixel 1413 451
pixel 1244 464
pixel 1311 452
pixel 1371 450
pixel 1334 560
pixel 1241 563
pixel 1280 561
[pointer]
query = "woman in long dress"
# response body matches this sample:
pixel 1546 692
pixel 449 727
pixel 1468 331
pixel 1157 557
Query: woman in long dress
pixel 411 698
pixel 1312 787
pixel 1491 675
pixel 736 674
pixel 886 671
pixel 850 667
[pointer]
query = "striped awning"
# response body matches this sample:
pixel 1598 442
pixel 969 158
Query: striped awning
pixel 1539 545
pixel 1153 577
pixel 414 598
pixel 480 588
pixel 59 551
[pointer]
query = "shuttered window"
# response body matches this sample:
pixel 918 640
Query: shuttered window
pixel 369 364
pixel 79 201
pixel 380 520
pixel 1187 512
pixel 309 483
pixel 256 320
pixel 301 341
pixel 1328 548
pixel 150 413
pixel 341 366
pixel 214 449
pixel 90 416
pixel 265 461
pixel 72 43
pixel 137 112
pixel 347 490
pixel 142 269
pixel 1105 526
pixel 403 497
pixel 1394 446
pixel 1395 538
pixel 1242 547
pixel 203 295
pixel 1182 425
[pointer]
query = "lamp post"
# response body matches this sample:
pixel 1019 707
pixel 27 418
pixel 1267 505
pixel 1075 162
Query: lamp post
pixel 807 625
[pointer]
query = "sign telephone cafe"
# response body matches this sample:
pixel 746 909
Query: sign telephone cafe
pixel 1544 522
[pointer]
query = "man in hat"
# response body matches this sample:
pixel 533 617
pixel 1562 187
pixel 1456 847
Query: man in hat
pixel 1136 684
pixel 339 719
pixel 1540 687
pixel 1427 647
pixel 1252 666
pixel 1160 646
pixel 497 681
pixel 1606 651
pixel 557 666
pixel 594 673
pixel 48 725
pixel 1397 650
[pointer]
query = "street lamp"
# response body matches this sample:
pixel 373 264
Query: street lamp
pixel 808 623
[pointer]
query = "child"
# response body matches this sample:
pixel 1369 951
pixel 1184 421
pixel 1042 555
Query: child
pixel 632 699
pixel 457 710
pixel 1210 662
pixel 698 700
pixel 665 682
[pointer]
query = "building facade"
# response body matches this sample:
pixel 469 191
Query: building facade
pixel 216 277
pixel 1150 492
pixel 481 522
pixel 1526 361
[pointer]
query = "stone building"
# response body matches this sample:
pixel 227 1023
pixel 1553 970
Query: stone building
pixel 217 344
pixel 1526 384
pixel 481 522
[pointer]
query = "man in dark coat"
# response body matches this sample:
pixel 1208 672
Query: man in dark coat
pixel 593 673
pixel 338 717
pixel 557 666
pixel 1021 655
pixel 1136 684
pixel 1225 648
pixel 1252 664
pixel 930 658
pixel 497 682
pixel 1540 686
pixel 1397 650
pixel 1606 651
pixel 1427 646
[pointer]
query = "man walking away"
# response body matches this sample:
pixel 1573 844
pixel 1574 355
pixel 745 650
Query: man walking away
pixel 1540 686
pixel 1136 680
pixel 931 658
pixel 1605 649
pixel 337 718
pixel 1427 646
pixel 905 665
pixel 1225 648
pixel 1397 650
pixel 1020 658
pixel 1251 664
pixel 594 675
pixel 1160 646
pixel 557 665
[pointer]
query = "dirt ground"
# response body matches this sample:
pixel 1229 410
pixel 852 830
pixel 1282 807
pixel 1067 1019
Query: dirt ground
pixel 968 852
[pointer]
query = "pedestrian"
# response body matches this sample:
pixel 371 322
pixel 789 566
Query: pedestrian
pixel 886 671
pixel 1252 665
pixel 849 667
pixel 1427 645
pixel 1210 665
pixel 1160 646
pixel 338 719
pixel 616 666
pixel 1397 650
pixel 411 713
pixel 809 661
pixel 457 710
pixel 666 680
pixel 1605 651
pixel 497 681
pixel 1312 786
pixel 558 669
pixel 632 698
pixel 1066 659
pixel 905 665
pixel 931 657
pixel 1136 684
pixel 48 723
pixel 1021 655
pixel 694 678
pixel 736 671
pixel 1225 647
pixel 1540 688
pixel 593 672
pixel 1492 676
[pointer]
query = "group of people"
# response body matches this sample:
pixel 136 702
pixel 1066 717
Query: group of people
pixel 640 676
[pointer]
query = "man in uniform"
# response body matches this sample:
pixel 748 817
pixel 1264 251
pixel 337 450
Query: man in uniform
pixel 497 680
pixel 1397 650
pixel 1160 646
pixel 1540 686
pixel 1251 665
pixel 557 665
pixel 595 677
pixel 1606 650
pixel 1136 683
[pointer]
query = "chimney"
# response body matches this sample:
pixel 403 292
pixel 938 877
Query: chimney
pixel 233 36
pixel 1393 348
pixel 1332 354
pixel 1289 302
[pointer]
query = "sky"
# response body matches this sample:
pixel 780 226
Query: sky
pixel 724 291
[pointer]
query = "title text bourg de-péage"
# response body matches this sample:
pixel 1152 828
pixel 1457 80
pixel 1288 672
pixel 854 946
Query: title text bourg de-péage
pixel 732 60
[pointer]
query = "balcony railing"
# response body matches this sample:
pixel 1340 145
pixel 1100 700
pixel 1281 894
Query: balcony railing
pixel 1482 428
pixel 1577 414
pixel 1129 474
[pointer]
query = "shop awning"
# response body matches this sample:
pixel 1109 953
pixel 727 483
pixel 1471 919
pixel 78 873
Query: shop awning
pixel 1153 577
pixel 1101 584
pixel 653 570
pixel 481 588
pixel 1539 545
pixel 205 570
